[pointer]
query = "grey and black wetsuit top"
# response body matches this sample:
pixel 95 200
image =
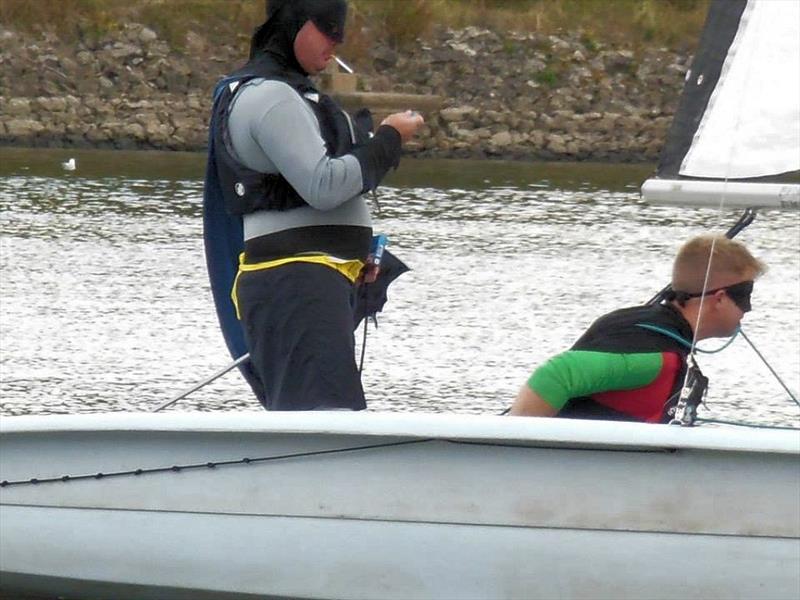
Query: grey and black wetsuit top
pixel 274 130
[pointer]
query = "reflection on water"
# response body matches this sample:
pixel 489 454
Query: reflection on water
pixel 106 306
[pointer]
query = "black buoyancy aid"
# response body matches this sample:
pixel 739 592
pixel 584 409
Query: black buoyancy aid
pixel 246 190
pixel 619 331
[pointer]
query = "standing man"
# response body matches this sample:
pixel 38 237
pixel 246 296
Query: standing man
pixel 285 183
pixel 630 365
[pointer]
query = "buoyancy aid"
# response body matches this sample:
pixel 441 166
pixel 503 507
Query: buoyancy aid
pixel 246 190
pixel 272 57
pixel 620 331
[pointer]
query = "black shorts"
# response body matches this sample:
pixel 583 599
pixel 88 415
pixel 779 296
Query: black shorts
pixel 298 323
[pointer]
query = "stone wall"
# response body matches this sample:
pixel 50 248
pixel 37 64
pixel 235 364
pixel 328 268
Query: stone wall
pixel 504 96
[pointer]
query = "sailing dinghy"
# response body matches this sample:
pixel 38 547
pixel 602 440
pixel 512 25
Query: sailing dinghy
pixel 380 506
pixel 369 506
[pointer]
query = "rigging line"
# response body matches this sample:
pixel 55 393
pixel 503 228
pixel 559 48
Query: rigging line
pixel 197 386
pixel 706 278
pixel 771 370
pixel 747 424
pixel 734 47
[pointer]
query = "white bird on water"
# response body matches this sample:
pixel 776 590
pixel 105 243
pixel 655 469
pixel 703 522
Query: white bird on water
pixel 69 165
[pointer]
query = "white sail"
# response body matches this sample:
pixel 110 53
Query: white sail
pixel 751 127
pixel 739 116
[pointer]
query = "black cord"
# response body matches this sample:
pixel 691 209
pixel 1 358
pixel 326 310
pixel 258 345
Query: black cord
pixel 366 326
pixel 771 370
pixel 206 465
pixel 746 424
pixel 363 346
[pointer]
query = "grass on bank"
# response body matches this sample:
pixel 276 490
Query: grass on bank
pixel 632 22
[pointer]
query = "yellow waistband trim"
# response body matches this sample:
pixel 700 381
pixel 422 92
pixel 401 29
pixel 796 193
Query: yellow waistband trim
pixel 349 268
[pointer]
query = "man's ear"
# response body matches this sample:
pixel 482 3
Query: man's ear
pixel 717 298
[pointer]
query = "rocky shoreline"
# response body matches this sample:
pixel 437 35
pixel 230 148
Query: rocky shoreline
pixel 510 96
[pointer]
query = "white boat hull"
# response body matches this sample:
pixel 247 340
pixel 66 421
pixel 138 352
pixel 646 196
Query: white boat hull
pixel 466 507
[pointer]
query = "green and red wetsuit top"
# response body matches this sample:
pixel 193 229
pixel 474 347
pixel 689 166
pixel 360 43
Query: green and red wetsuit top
pixel 619 370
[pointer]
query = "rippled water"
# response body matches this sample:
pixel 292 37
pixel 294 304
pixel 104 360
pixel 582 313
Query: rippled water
pixel 106 306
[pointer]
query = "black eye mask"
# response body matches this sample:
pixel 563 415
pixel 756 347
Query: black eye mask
pixel 739 293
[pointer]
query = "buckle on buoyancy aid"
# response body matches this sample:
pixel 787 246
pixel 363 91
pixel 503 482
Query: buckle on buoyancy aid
pixel 692 394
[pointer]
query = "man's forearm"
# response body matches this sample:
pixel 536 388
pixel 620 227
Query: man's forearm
pixel 530 404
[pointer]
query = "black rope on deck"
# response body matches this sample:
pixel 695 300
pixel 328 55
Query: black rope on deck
pixel 747 424
pixel 203 465
pixel 263 459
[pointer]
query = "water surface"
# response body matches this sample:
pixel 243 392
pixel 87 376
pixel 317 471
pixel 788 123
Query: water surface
pixel 106 305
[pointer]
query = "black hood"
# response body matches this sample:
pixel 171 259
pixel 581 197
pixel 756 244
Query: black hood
pixel 285 18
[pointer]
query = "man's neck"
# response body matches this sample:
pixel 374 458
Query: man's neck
pixel 691 312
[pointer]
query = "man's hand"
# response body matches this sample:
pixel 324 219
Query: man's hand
pixel 406 123
pixel 370 273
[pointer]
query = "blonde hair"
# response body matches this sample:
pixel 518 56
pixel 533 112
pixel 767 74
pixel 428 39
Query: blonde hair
pixel 730 261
